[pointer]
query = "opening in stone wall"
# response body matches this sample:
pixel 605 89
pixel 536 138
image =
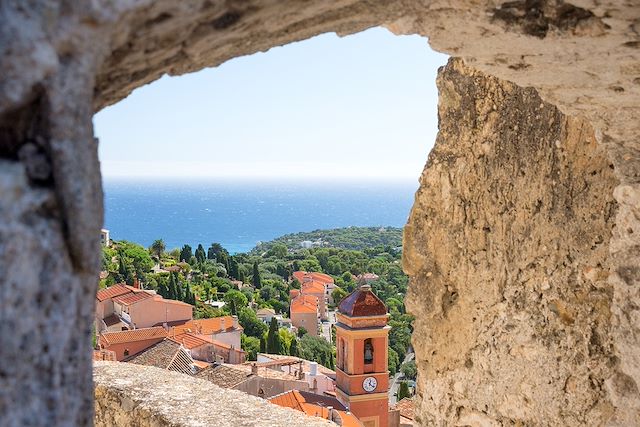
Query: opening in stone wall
pixel 261 193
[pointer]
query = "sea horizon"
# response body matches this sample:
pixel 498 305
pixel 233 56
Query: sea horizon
pixel 239 213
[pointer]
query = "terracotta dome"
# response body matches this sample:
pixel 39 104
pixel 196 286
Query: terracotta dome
pixel 362 302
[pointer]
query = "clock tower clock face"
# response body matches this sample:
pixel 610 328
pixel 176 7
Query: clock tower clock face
pixel 369 384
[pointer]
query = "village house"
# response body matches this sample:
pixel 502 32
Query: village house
pixel 315 405
pixel 305 313
pixel 321 379
pixel 121 307
pixel 224 329
pixel 130 342
pixel 265 314
pixel 317 284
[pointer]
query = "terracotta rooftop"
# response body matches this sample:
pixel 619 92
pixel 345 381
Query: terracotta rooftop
pixel 207 326
pixel 362 302
pixel 223 375
pixel 304 304
pixel 166 355
pixel 313 287
pixel 188 340
pixel 313 404
pixel 265 312
pixel 406 407
pixel 132 298
pixel 111 292
pixel 133 335
pixel 303 276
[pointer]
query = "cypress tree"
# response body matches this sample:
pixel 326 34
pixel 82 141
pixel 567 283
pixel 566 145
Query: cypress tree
pixel 274 345
pixel 293 350
pixel 179 289
pixel 403 390
pixel 200 255
pixel 263 345
pixel 256 281
pixel 171 294
pixel 233 308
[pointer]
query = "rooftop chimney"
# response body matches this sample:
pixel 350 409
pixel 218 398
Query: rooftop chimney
pixel 254 369
pixel 313 368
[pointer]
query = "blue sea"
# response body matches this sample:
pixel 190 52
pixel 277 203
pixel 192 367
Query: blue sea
pixel 239 214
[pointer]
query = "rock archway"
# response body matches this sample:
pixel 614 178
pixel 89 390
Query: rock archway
pixel 574 276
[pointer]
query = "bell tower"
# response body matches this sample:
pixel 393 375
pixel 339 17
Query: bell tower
pixel 362 339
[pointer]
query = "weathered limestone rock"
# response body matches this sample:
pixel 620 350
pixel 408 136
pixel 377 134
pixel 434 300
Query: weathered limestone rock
pixel 508 251
pixel 62 61
pixel 128 395
pixel 44 312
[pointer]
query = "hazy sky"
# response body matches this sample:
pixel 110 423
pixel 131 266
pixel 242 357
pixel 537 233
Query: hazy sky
pixel 359 106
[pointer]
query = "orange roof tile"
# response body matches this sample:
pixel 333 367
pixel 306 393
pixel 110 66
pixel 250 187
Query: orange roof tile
pixel 188 340
pixel 348 419
pixel 133 335
pixel 111 292
pixel 406 407
pixel 304 304
pixel 313 287
pixel 303 276
pixel 206 326
pixel 132 298
pixel 104 355
pixel 312 404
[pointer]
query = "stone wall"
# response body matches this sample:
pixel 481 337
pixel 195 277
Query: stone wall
pixel 507 247
pixel 127 394
pixel 62 61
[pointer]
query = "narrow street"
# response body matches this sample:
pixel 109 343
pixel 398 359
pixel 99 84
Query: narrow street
pixel 395 381
pixel 326 326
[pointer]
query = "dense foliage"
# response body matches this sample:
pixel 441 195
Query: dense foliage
pixel 357 238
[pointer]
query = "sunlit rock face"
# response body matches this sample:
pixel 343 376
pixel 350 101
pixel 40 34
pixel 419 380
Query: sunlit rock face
pixel 556 275
pixel 508 251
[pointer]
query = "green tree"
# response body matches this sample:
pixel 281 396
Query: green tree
pixel 251 345
pixel 163 291
pixel 238 298
pixel 157 248
pixel 392 361
pixel 256 281
pixel 274 344
pixel 293 349
pixel 186 253
pixel 302 331
pixel 263 344
pixel 410 370
pixel 172 293
pixel 338 294
pixel 232 308
pixel 403 390
pixel 278 250
pixel 200 255
pixel 252 326
pixel 316 349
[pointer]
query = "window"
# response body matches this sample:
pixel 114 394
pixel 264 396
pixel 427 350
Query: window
pixel 126 351
pixel 368 351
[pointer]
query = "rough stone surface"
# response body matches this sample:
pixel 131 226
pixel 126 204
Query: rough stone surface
pixel 42 326
pixel 135 395
pixel 507 246
pixel 62 61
